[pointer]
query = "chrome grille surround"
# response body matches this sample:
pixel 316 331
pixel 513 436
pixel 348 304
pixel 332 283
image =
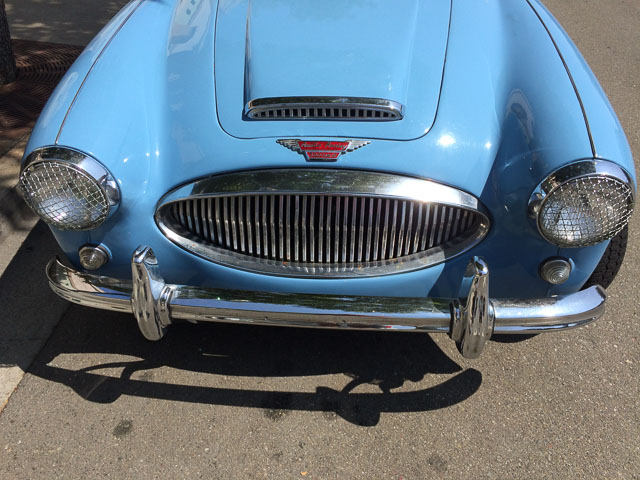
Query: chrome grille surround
pixel 322 223
pixel 324 108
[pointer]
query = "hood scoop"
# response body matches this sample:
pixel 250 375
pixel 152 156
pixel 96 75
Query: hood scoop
pixel 374 68
pixel 324 108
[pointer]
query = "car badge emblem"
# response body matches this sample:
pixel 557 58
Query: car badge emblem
pixel 322 150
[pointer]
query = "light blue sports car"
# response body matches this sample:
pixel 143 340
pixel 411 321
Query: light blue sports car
pixel 442 166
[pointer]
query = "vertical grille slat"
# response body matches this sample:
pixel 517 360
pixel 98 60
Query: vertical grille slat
pixel 281 227
pixel 384 230
pixel 367 256
pixel 265 226
pixel 304 228
pixel 360 230
pixel 336 234
pixel 312 229
pixel 195 216
pixel 442 224
pixel 433 227
pixel 345 226
pixel 257 223
pixel 249 226
pixel 330 230
pixel 413 249
pixel 456 223
pixel 320 230
pixel 425 228
pixel 232 215
pixel 376 236
pixel 210 216
pixel 185 214
pixel 296 229
pixel 272 223
pixel 203 218
pixel 241 224
pixel 218 219
pixel 288 226
pixel 227 233
pixel 401 230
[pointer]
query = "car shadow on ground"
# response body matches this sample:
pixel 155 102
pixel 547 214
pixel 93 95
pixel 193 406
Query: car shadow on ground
pixel 101 356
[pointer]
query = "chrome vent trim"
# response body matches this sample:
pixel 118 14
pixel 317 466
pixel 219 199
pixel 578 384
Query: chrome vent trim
pixel 324 108
pixel 322 223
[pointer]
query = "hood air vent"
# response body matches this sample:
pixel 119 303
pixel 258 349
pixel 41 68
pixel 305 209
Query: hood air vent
pixel 324 108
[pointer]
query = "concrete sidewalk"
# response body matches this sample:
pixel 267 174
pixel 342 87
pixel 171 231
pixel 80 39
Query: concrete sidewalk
pixel 24 327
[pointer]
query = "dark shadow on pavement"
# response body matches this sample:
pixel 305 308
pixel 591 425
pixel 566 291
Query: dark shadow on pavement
pixel 29 310
pixel 381 359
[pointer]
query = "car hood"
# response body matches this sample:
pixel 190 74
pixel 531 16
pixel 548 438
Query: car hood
pixel 505 105
pixel 371 49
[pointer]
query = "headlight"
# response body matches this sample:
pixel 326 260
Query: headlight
pixel 583 204
pixel 68 189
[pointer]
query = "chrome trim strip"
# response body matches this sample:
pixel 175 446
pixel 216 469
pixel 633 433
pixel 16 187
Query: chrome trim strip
pixel 335 186
pixel 315 108
pixel 323 181
pixel 315 310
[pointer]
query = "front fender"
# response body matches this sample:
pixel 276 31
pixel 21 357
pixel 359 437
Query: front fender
pixel 49 125
pixel 608 137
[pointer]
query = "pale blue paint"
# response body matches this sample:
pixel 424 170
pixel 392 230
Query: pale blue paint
pixel 389 50
pixel 48 125
pixel 507 116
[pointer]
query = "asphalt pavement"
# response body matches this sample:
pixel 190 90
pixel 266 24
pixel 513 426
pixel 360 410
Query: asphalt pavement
pixel 223 401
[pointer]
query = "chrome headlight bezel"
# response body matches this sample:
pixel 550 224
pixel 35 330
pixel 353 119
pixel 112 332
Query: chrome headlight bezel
pixel 84 165
pixel 583 169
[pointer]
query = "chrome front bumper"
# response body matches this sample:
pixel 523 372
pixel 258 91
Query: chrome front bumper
pixel 470 320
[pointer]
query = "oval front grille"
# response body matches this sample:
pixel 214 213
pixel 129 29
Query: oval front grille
pixel 321 234
pixel 321 229
pixel 318 223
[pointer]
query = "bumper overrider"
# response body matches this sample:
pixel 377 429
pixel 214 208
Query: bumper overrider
pixel 470 320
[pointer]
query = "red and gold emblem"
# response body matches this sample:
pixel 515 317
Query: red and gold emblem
pixel 322 150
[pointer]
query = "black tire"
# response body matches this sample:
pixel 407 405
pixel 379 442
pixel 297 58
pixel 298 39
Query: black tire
pixel 610 262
